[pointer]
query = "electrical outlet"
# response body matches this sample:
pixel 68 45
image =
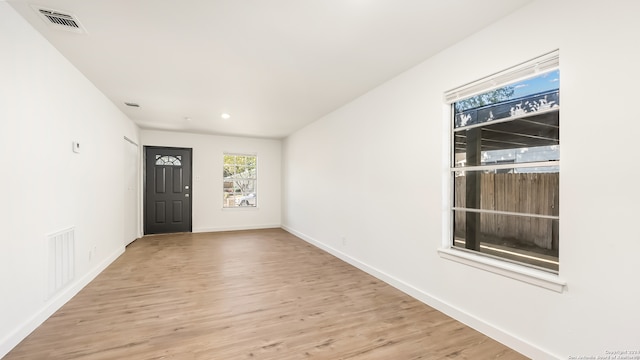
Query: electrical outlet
pixel 344 240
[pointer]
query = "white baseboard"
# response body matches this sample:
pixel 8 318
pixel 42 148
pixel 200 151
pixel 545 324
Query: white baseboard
pixel 470 320
pixel 236 228
pixel 55 303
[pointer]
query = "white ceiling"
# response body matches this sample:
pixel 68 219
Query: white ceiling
pixel 274 65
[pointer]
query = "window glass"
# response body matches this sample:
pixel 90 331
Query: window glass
pixel 239 180
pixel 505 171
pixel 168 160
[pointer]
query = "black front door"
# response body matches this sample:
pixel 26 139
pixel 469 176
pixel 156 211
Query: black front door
pixel 167 204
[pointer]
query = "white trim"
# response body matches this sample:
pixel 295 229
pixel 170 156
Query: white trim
pixel 514 271
pixel 550 163
pixel 482 211
pixel 539 65
pixel 241 208
pixel 239 153
pixel 54 304
pixel 482 325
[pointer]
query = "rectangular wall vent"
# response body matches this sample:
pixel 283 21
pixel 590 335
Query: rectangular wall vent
pixel 60 20
pixel 61 262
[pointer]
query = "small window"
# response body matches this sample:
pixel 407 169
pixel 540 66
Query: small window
pixel 240 180
pixel 168 160
pixel 505 165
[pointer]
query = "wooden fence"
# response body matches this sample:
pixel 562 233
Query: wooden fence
pixel 532 193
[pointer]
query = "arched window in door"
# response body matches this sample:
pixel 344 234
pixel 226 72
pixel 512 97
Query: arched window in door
pixel 168 160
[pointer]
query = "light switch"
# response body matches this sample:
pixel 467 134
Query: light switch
pixel 76 147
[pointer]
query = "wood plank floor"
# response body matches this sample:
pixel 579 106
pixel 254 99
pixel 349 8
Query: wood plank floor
pixel 261 294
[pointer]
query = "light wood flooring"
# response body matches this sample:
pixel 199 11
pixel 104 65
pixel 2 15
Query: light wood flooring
pixel 261 294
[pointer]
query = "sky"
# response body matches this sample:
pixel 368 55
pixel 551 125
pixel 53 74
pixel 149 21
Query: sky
pixel 540 83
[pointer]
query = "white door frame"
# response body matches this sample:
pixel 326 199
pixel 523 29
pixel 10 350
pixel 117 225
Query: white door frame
pixel 131 217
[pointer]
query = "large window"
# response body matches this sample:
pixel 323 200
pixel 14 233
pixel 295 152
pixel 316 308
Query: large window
pixel 505 165
pixel 240 180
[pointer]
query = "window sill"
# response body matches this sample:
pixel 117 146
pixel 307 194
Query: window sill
pixel 514 271
pixel 240 208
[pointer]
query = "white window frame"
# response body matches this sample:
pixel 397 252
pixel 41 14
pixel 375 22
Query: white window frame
pixel 255 179
pixel 531 275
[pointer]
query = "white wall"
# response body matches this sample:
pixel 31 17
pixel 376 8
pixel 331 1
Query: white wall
pixel 45 105
pixel 207 212
pixel 373 173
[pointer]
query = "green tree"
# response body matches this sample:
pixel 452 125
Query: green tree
pixel 239 173
pixel 238 164
pixel 490 97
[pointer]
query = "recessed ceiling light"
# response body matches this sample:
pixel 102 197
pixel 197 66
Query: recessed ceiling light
pixel 225 116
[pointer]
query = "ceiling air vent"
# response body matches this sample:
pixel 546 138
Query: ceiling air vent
pixel 60 20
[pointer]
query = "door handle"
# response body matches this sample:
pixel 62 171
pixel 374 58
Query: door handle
pixel 186 195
